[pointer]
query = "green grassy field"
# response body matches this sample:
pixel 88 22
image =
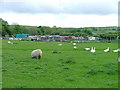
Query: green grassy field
pixel 68 69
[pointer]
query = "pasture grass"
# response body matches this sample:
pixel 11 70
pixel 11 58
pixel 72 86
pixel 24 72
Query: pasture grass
pixel 71 68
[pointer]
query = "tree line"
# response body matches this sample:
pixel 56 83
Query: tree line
pixel 104 32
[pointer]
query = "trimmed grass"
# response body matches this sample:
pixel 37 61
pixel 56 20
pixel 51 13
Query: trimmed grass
pixel 69 69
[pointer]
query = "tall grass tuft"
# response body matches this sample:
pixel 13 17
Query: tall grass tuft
pixel 69 60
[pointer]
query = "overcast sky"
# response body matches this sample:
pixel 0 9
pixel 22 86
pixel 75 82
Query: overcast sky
pixel 61 13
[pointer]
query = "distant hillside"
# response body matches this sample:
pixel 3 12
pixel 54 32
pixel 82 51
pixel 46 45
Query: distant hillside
pixel 46 30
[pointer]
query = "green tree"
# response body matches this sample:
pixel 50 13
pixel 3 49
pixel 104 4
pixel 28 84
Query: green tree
pixel 18 29
pixel 41 30
pixel 88 32
pixel 5 27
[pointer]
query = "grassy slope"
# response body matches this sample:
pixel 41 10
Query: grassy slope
pixel 69 69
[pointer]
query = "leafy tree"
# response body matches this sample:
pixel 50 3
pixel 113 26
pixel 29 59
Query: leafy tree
pixel 5 27
pixel 18 29
pixel 87 32
pixel 42 30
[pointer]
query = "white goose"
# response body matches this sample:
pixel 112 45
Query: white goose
pixel 92 50
pixel 10 42
pixel 74 47
pixel 87 49
pixel 60 44
pixel 74 43
pixel 116 50
pixel 107 50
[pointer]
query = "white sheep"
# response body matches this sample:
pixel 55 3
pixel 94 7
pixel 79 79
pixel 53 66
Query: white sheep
pixel 36 53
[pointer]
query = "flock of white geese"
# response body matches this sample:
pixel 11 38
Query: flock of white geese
pixel 93 49
pixel 106 50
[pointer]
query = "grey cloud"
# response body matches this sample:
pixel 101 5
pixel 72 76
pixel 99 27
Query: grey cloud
pixel 65 8
pixel 92 8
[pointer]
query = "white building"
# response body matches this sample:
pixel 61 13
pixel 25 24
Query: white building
pixel 91 38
